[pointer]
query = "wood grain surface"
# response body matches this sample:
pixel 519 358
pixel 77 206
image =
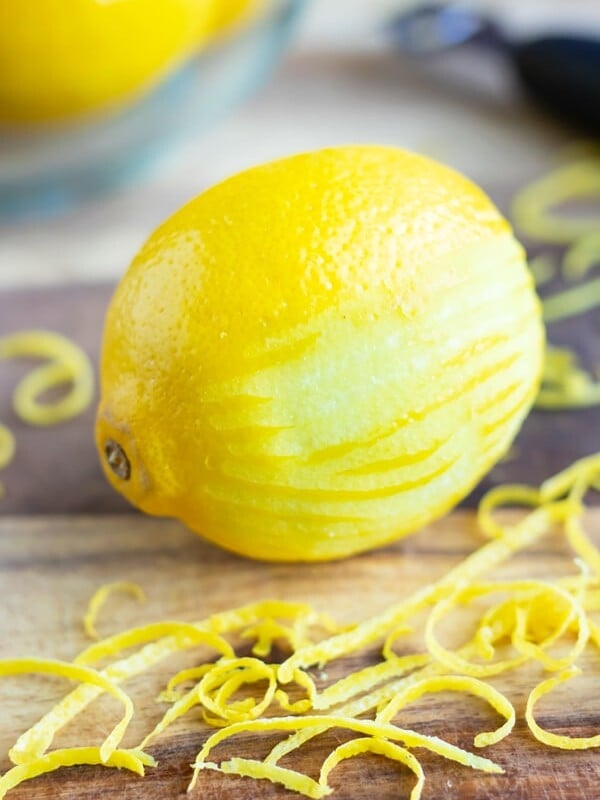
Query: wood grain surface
pixel 50 566
pixel 56 470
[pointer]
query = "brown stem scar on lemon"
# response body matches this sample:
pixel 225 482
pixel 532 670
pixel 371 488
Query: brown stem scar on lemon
pixel 117 459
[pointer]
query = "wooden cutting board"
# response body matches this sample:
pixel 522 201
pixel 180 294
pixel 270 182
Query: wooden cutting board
pixel 50 566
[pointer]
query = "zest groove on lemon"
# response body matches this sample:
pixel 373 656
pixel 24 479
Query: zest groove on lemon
pixel 319 355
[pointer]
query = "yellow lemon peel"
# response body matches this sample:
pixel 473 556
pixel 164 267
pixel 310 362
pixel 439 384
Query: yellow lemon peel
pixel 64 669
pixel 543 269
pixel 581 256
pixel 456 683
pixel 186 635
pixel 532 206
pixel 259 770
pixel 100 597
pixel 527 649
pixel 326 722
pixel 547 737
pixel 572 302
pixel 380 747
pixel 68 365
pixel 7 449
pixel 132 760
pixel 148 656
pixel 533 616
pixel 565 384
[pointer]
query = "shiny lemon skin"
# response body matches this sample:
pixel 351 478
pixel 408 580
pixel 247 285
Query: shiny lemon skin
pixel 65 58
pixel 320 355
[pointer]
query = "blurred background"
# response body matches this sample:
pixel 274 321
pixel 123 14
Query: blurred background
pixel 294 76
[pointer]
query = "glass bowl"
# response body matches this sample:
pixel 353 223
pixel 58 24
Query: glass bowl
pixel 52 169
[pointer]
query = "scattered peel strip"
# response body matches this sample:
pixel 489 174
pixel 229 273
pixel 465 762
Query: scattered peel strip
pixel 7 449
pixel 403 678
pixel 531 207
pixel 68 365
pixel 456 683
pixel 490 555
pixel 100 597
pixel 581 256
pixel 364 726
pixel 186 634
pixel 64 669
pixel 526 649
pixel 565 384
pixel 572 302
pixel 233 620
pixel 289 778
pixel 547 737
pixel 543 269
pixel 132 760
pixel 380 747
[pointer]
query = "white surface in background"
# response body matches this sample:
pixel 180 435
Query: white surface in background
pixel 338 85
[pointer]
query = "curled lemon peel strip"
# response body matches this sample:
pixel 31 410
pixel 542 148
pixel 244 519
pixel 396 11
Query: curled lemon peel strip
pixel 226 677
pixel 490 555
pixel 304 680
pixel 68 365
pixel 65 669
pixel 534 616
pixel 132 760
pixel 531 207
pixel 581 256
pixel 289 778
pixel 547 737
pixel 380 747
pixel 499 496
pixel 181 706
pixel 585 470
pixel 223 679
pixel 148 656
pixel 100 597
pixel 186 633
pixel 170 693
pixel 576 534
pixel 543 269
pixel 527 649
pixel 7 449
pixel 572 302
pixel 388 645
pixel 565 384
pixel 456 683
pixel 364 680
pixel 326 722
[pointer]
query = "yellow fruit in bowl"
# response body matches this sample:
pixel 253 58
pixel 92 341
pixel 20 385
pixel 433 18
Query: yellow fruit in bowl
pixel 64 58
pixel 319 355
pixel 229 13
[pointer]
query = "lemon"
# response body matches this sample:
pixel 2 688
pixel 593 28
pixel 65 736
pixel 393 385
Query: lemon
pixel 319 355
pixel 62 58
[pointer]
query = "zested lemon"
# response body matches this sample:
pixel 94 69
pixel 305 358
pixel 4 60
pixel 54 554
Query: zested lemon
pixel 319 355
